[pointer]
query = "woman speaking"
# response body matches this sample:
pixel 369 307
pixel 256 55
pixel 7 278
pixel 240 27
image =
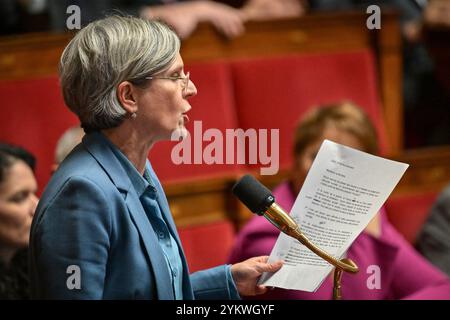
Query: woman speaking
pixel 103 228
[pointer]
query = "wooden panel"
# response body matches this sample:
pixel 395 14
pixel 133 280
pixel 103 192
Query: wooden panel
pixel 31 55
pixel 429 170
pixel 310 34
pixel 390 80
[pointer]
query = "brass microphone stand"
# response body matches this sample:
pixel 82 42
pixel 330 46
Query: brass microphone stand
pixel 286 224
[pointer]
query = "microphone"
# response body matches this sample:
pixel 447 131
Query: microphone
pixel 260 200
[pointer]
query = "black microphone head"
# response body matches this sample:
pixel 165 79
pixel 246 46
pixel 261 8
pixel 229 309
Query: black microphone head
pixel 253 194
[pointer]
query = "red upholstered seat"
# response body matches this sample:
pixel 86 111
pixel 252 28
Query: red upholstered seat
pixel 408 213
pixel 208 245
pixel 33 115
pixel 275 92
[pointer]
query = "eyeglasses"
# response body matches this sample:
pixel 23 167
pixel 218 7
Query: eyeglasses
pixel 184 84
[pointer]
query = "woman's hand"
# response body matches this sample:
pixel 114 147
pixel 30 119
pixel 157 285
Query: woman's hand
pixel 246 274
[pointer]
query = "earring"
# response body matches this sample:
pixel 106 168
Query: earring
pixel 133 115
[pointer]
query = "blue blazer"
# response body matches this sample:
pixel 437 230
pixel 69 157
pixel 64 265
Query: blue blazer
pixel 91 238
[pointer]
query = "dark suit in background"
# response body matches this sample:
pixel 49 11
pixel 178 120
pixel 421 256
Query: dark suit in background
pixel 434 239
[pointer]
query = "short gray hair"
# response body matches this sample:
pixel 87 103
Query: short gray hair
pixel 105 53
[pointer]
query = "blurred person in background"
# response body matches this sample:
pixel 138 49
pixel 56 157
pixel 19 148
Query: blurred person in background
pixel 433 240
pixel 183 16
pixel 404 274
pixel 69 139
pixel 17 206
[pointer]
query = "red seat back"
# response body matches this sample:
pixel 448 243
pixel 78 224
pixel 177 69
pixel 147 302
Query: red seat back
pixel 276 92
pixel 408 213
pixel 34 116
pixel 208 245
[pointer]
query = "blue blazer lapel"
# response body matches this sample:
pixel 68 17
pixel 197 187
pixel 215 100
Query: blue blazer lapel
pixel 97 146
pixel 154 252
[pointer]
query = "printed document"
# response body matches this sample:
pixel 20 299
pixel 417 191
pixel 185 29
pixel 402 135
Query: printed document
pixel 344 189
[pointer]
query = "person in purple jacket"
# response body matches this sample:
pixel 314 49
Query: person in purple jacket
pixel 389 266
